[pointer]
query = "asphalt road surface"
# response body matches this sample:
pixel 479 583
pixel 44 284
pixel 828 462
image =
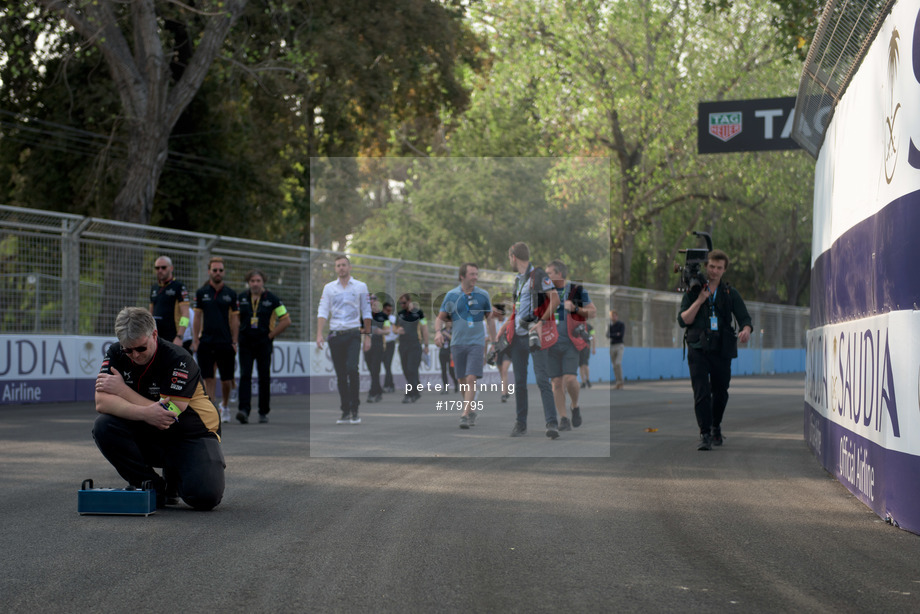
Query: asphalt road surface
pixel 407 513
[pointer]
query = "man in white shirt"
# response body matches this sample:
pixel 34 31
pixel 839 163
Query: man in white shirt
pixel 345 304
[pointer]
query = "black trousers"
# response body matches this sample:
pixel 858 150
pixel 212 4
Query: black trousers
pixel 374 359
pixel 388 353
pixel 410 356
pixel 134 448
pixel 259 352
pixel 710 376
pixel 520 357
pixel 345 349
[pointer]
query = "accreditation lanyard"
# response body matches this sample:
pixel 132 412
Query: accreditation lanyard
pixel 713 318
pixel 254 320
pixel 519 284
pixel 469 309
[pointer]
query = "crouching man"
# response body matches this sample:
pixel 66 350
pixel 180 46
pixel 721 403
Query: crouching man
pixel 155 413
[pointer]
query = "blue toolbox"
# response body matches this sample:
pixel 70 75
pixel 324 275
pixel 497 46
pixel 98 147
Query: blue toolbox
pixel 121 501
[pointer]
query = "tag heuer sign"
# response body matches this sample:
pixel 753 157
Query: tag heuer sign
pixel 724 126
pixel 766 122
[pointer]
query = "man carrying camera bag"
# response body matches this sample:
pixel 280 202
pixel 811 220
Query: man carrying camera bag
pixel 534 304
pixel 706 312
pixel 575 308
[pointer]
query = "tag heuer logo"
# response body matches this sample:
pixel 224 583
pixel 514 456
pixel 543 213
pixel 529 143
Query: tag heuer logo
pixel 724 126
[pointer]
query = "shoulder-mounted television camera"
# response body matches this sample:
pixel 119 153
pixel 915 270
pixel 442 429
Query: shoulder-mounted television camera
pixel 692 274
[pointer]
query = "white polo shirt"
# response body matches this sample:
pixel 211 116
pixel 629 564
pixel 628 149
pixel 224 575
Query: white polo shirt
pixel 345 307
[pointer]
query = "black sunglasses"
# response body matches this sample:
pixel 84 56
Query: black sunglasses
pixel 217 270
pixel 161 267
pixel 138 349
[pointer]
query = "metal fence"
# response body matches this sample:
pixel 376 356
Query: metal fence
pixel 68 274
pixel 844 34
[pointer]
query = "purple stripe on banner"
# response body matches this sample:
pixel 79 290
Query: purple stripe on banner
pixel 871 269
pixel 883 479
pixel 19 392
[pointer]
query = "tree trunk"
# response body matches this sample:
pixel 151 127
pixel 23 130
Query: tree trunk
pixel 148 148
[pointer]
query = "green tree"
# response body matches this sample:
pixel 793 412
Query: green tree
pixel 623 80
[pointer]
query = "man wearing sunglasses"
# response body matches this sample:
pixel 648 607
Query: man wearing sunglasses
pixel 215 334
pixel 155 414
pixel 169 302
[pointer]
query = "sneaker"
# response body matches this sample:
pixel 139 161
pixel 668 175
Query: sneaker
pixel 224 413
pixel 407 399
pixel 370 399
pixel 565 425
pixel 576 417
pixel 582 384
pixel 519 429
pixel 716 436
pixel 472 418
pixel 505 398
pixel 345 419
pixel 263 419
pixel 355 419
pixel 464 422
pixel 378 398
pixel 241 417
pixel 552 431
pixel 705 442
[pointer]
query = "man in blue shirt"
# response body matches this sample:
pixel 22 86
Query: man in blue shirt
pixel 466 306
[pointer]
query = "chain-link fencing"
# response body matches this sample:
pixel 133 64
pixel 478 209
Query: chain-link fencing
pixel 68 274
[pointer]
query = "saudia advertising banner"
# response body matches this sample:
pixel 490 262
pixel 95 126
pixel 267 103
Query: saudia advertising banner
pixel 48 369
pixel 862 404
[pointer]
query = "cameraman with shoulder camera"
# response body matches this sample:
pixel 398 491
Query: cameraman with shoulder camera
pixel 706 312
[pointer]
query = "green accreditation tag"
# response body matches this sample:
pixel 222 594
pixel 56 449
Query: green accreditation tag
pixel 170 406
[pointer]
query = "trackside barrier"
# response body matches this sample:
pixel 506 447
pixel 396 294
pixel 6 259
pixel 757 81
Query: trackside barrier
pixel 48 368
pixel 861 416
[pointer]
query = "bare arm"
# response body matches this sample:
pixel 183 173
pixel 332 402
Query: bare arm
pixel 183 313
pixel 283 323
pixel 196 329
pixel 235 327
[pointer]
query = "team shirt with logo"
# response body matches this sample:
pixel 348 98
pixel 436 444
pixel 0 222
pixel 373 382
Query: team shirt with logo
pixel 166 299
pixel 215 307
pixel 269 309
pixel 171 373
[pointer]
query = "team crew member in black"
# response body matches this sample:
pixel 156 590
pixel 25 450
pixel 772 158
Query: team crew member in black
pixel 706 312
pixel 155 413
pixel 169 302
pixel 408 322
pixel 264 317
pixel 389 349
pixel 373 356
pixel 215 334
pixel 447 365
